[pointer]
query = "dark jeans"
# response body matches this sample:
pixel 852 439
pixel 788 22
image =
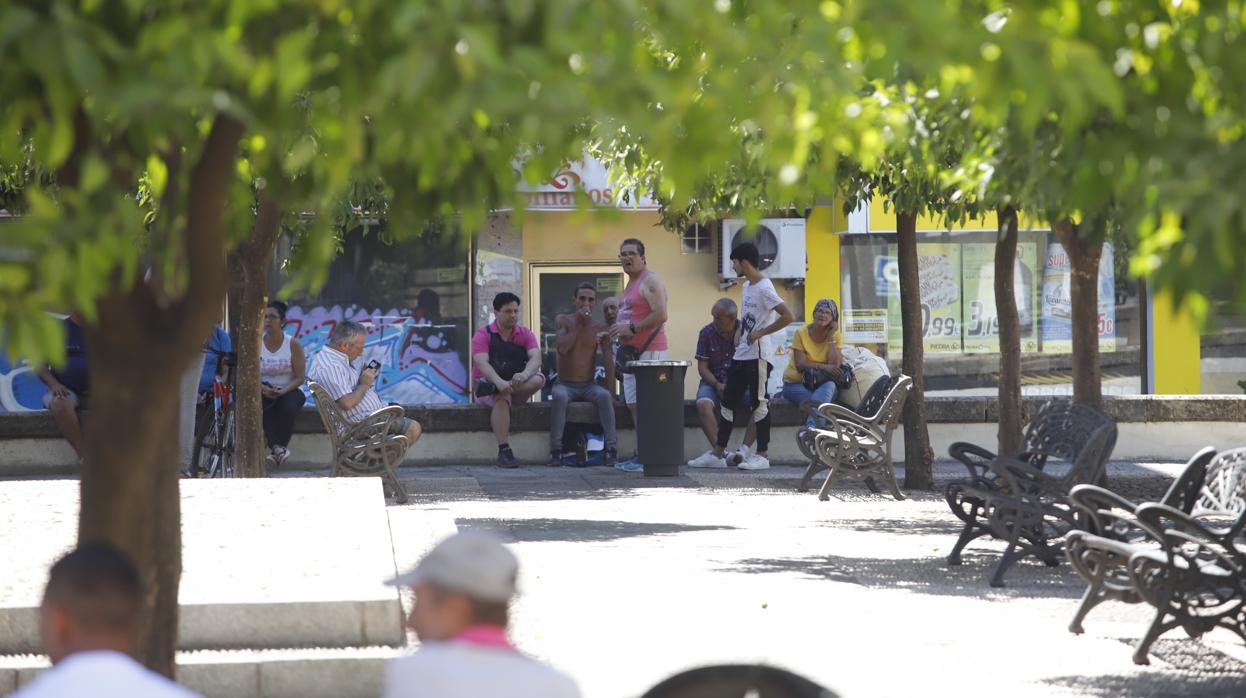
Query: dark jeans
pixel 279 415
pixel 746 380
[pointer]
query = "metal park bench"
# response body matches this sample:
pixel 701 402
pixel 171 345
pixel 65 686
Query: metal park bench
pixel 364 448
pixel 1011 497
pixel 1100 553
pixel 858 445
pixel 1196 578
pixel 805 438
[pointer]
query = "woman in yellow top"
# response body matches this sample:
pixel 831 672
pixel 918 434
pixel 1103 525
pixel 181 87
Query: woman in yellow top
pixel 815 346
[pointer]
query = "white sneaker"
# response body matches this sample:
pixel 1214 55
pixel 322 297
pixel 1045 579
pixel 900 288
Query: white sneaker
pixel 755 462
pixel 707 460
pixel 740 455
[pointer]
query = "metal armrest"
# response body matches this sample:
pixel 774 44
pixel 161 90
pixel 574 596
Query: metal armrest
pixel 1019 476
pixel 975 458
pixel 833 412
pixel 1111 515
pixel 373 429
pixel 1163 519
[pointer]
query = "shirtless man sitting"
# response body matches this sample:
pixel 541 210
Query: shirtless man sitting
pixel 579 335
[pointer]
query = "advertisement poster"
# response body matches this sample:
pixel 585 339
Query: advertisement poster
pixel 939 269
pixel 1057 304
pixel 865 326
pixel 981 321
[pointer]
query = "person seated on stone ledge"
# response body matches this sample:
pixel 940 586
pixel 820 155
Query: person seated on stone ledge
pixel 579 336
pixel 506 368
pixel 352 387
pixel 69 384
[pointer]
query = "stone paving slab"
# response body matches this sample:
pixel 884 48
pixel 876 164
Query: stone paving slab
pixel 267 563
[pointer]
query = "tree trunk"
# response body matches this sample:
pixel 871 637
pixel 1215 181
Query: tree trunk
pixel 248 286
pixel 1010 410
pixel 917 453
pixel 1084 289
pixel 129 483
pixel 138 347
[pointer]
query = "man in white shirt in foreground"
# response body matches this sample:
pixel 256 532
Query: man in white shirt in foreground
pixel 463 589
pixel 88 622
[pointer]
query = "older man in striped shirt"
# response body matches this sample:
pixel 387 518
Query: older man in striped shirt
pixel 352 387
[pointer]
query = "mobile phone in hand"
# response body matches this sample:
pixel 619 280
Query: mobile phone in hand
pixel 374 365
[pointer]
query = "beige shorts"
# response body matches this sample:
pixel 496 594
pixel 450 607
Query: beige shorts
pixel 629 381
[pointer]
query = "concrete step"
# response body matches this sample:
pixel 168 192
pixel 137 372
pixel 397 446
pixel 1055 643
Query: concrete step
pixel 328 672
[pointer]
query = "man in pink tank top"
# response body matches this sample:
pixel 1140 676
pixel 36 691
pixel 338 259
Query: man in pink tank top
pixel 642 318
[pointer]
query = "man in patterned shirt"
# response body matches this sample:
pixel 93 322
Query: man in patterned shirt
pixel 352 387
pixel 715 346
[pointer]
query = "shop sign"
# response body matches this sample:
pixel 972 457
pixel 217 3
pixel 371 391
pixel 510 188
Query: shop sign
pixel 581 183
pixel 981 320
pixel 865 326
pixel 939 273
pixel 1057 303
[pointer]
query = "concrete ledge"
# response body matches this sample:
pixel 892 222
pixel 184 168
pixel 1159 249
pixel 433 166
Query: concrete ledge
pixel 535 416
pixel 1151 427
pixel 308 673
pixel 266 563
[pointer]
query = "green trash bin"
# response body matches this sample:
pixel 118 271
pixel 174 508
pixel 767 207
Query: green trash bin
pixel 660 415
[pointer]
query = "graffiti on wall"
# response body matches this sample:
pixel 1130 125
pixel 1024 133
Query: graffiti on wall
pixel 419 362
pixel 20 389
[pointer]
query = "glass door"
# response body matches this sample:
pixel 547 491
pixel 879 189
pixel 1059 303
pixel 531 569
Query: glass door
pixel 552 290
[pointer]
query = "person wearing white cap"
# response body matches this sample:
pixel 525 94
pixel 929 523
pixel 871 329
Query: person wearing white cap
pixel 463 589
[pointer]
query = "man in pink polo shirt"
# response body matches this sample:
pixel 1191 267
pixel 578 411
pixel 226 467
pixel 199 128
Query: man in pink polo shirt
pixel 463 589
pixel 506 368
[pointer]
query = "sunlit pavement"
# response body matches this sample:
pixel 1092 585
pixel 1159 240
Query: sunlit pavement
pixel 627 580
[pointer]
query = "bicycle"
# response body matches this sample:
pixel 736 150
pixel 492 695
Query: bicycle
pixel 213 453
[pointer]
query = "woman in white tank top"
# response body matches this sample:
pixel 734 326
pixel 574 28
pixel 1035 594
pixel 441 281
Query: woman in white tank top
pixel 283 367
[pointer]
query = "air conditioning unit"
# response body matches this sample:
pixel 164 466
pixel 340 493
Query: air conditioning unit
pixel 781 242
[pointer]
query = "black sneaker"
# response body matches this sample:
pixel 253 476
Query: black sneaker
pixel 612 457
pixel 507 459
pixel 555 459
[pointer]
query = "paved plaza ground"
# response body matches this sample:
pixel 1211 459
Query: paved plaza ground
pixel 627 580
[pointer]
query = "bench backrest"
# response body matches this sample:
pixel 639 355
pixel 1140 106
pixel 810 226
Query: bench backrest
pixel 888 414
pixel 877 393
pixel 1224 487
pixel 1064 430
pixel 335 423
pixel 1186 490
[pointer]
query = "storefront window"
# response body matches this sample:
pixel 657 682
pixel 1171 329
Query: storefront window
pixel 959 320
pixel 1223 347
pixel 413 298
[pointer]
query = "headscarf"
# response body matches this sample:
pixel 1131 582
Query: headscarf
pixel 829 306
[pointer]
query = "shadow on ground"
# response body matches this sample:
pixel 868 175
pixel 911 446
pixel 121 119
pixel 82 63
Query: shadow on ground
pixel 578 530
pixel 949 527
pixel 925 575
pixel 1194 670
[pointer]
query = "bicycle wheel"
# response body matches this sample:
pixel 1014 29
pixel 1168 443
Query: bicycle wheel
pixel 223 459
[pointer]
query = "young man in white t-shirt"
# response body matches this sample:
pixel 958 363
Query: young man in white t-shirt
pixel 762 313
